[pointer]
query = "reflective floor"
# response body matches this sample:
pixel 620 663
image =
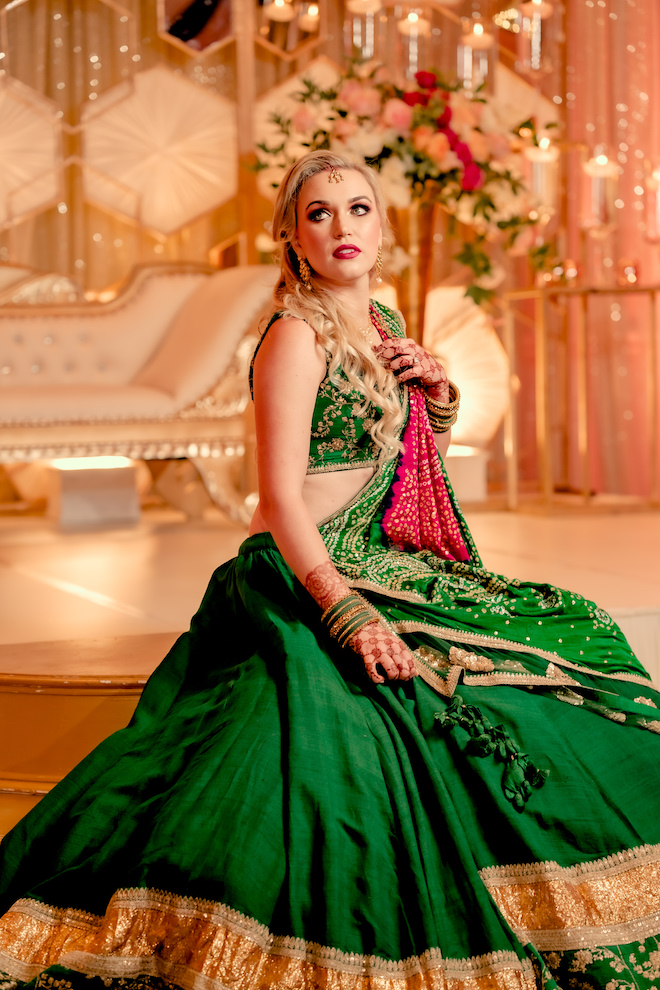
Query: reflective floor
pixel 150 578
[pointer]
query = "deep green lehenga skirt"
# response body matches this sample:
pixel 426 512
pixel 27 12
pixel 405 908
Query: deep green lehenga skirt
pixel 272 819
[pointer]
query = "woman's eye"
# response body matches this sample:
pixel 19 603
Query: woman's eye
pixel 360 209
pixel 317 215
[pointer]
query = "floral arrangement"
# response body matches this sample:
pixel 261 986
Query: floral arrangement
pixel 434 143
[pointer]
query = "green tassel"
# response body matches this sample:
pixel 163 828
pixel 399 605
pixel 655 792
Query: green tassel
pixel 520 776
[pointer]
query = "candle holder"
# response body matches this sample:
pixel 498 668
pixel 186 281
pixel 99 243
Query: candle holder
pixel 544 171
pixel 652 206
pixel 473 57
pixel 309 20
pixel 415 31
pixel 599 182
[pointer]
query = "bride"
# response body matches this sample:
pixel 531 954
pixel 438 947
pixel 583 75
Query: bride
pixel 370 763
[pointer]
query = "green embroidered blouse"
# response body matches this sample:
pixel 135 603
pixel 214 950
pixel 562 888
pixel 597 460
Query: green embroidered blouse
pixel 342 419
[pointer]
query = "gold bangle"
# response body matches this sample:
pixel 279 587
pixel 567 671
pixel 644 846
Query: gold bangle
pixel 445 408
pixel 353 628
pixel 441 426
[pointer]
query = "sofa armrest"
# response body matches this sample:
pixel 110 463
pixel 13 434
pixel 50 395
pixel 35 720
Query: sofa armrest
pixel 206 333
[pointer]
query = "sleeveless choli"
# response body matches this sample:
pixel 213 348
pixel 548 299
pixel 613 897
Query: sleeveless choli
pixel 270 818
pixel 340 435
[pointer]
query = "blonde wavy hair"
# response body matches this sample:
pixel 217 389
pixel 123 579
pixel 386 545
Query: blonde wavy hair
pixel 336 330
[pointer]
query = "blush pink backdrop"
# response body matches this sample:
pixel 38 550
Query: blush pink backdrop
pixel 613 72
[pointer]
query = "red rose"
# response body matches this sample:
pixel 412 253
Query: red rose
pixel 425 79
pixel 451 136
pixel 463 153
pixel 413 99
pixel 473 177
pixel 444 119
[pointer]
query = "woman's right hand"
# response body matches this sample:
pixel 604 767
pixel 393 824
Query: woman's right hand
pixel 379 647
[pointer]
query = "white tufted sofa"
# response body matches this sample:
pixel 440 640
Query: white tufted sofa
pixel 161 371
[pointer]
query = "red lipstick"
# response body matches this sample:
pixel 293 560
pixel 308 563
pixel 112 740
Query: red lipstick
pixel 346 251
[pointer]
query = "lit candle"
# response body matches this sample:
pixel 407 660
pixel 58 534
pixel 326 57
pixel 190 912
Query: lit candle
pixel 413 25
pixel 478 39
pixel 543 158
pixel 602 174
pixel 279 10
pixel 536 8
pixel 309 22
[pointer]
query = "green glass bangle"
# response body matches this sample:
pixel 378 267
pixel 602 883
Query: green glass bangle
pixel 341 607
pixel 336 627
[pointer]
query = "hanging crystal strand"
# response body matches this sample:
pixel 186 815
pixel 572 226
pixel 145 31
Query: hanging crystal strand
pixel 535 58
pixel 362 25
pixel 415 31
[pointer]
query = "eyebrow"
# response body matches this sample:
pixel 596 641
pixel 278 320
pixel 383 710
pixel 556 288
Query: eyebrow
pixel 325 202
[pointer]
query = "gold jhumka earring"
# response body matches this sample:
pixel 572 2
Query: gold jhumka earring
pixel 305 274
pixel 379 267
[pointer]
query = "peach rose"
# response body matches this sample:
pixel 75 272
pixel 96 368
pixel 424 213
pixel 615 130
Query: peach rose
pixel 345 127
pixel 478 145
pixel 465 112
pixel 437 147
pixel 421 137
pixel 362 100
pixel 398 115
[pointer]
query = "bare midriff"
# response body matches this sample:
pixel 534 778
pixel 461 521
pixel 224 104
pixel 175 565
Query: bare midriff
pixel 324 494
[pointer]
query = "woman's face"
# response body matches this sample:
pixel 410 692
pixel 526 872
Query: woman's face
pixel 338 227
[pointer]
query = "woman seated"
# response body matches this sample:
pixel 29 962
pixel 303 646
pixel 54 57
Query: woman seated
pixel 370 763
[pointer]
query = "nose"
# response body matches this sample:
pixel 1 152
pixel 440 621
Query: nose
pixel 341 226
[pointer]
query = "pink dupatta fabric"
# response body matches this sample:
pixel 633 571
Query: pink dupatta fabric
pixel 420 515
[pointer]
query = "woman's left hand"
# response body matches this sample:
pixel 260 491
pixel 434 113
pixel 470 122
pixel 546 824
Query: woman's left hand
pixel 410 362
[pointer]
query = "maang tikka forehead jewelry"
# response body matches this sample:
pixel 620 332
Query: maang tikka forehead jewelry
pixel 335 175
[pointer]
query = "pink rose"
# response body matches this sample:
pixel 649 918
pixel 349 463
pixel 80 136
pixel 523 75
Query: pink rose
pixel 473 177
pixel 437 147
pixel 362 100
pixel 303 119
pixel 498 145
pixel 427 80
pixel 345 127
pixel 451 136
pixel 421 137
pixel 444 119
pixel 398 115
pixel 463 152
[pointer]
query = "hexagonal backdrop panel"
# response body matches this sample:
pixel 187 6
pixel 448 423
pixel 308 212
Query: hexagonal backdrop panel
pixel 160 150
pixel 30 153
